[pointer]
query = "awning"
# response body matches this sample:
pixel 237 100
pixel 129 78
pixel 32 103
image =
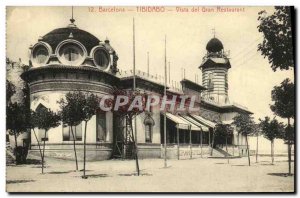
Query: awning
pixel 189 119
pixel 204 121
pixel 182 123
pixel 227 122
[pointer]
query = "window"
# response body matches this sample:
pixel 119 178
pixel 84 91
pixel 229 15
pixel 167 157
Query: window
pixel 71 53
pixel 101 58
pixel 101 126
pixel 77 131
pixel 210 82
pixel 41 132
pixel 42 135
pixel 148 133
pixel 149 123
pixel 40 55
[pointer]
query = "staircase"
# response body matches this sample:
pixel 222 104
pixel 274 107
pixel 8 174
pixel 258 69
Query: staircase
pixel 223 152
pixel 220 153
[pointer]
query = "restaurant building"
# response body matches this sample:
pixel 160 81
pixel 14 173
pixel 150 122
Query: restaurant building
pixel 70 59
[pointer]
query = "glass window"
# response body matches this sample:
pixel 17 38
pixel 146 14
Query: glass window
pixel 71 53
pixel 40 54
pixel 101 126
pixel 77 131
pixel 148 133
pixel 101 58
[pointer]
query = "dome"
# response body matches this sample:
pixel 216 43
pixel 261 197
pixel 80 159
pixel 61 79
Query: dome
pixel 56 36
pixel 214 45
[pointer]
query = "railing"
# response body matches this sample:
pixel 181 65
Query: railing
pixel 173 85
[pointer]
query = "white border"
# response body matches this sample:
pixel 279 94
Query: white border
pixel 4 3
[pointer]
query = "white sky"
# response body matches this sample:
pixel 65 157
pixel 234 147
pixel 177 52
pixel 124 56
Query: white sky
pixel 250 78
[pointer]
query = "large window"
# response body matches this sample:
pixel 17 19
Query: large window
pixel 67 133
pixel 101 126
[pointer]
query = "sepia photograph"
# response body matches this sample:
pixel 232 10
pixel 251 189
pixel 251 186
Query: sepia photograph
pixel 154 99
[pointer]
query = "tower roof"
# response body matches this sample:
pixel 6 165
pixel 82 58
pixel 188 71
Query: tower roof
pixel 215 62
pixel 214 45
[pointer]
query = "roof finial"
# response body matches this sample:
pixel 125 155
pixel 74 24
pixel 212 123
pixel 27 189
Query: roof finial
pixel 214 32
pixel 72 19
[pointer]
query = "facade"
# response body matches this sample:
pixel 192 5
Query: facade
pixel 70 59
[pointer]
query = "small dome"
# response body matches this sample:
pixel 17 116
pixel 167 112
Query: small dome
pixel 56 36
pixel 214 45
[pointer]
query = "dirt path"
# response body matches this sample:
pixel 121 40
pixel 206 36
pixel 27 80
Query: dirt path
pixel 197 175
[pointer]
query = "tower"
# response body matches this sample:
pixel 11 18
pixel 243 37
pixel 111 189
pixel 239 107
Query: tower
pixel 214 68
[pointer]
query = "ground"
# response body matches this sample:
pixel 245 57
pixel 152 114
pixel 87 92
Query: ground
pixel 196 175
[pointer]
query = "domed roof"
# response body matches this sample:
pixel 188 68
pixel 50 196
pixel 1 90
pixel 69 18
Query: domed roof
pixel 214 45
pixel 56 36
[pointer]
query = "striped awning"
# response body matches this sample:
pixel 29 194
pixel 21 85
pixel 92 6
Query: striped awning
pixel 182 123
pixel 200 125
pixel 204 121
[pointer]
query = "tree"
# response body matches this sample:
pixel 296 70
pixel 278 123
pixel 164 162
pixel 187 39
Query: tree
pixel 245 125
pixel 271 129
pixel 90 107
pixel 284 106
pixel 256 132
pixel 277 45
pixel 34 123
pixel 45 119
pixel 16 123
pixel 71 112
pixel 222 133
pixel 77 108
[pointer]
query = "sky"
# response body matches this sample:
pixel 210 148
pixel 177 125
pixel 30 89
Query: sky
pixel 250 78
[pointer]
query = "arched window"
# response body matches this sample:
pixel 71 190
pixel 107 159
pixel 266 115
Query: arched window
pixel 148 133
pixel 149 123
pixel 42 134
